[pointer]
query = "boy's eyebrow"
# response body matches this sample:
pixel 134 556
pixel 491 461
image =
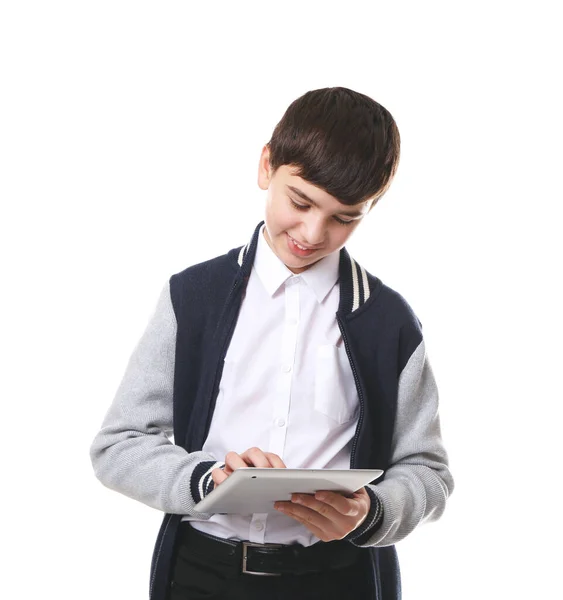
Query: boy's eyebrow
pixel 303 195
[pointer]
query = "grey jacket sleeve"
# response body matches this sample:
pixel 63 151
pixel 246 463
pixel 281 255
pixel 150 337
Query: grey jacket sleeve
pixel 418 482
pixel 133 453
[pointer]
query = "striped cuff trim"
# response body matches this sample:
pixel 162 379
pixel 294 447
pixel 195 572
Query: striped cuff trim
pixel 374 518
pixel 202 482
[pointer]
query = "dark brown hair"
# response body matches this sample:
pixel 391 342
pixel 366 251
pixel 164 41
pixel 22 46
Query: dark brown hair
pixel 339 140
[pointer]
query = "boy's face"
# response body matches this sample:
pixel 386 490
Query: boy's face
pixel 303 222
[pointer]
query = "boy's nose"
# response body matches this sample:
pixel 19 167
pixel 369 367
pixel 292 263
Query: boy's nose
pixel 314 232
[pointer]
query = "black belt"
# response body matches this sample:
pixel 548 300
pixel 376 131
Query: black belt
pixel 270 559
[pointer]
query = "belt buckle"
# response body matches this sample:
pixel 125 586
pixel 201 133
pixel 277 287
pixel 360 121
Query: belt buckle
pixel 245 546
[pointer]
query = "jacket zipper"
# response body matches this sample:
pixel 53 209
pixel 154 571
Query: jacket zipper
pixel 374 562
pixel 358 388
pixel 225 341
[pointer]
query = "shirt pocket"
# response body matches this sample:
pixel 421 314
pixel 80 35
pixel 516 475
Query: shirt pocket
pixel 335 391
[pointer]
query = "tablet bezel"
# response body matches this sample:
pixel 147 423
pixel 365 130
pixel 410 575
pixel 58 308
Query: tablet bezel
pixel 254 490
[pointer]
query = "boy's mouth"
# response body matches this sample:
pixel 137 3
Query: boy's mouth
pixel 297 249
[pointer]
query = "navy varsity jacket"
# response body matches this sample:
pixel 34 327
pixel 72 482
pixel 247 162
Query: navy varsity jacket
pixel 383 341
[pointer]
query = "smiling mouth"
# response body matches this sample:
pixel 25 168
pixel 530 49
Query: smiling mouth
pixel 300 246
pixel 297 250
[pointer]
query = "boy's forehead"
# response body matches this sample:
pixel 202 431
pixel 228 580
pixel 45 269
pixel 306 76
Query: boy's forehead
pixel 314 194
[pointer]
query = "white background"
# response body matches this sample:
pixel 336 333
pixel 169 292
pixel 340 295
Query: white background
pixel 130 134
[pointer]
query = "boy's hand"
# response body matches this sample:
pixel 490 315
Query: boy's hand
pixel 328 515
pixel 253 457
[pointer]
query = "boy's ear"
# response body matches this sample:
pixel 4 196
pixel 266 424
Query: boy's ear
pixel 264 169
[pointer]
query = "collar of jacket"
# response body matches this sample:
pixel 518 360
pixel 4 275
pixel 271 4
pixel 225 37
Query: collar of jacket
pixel 355 287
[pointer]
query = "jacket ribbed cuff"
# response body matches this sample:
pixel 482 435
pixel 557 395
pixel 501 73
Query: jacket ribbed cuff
pixel 371 523
pixel 202 482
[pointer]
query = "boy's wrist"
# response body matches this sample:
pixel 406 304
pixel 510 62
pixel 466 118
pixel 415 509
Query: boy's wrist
pixel 370 524
pixel 202 481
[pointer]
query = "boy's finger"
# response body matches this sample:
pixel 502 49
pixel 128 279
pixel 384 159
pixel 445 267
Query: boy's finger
pixel 310 503
pixel 348 506
pixel 275 461
pixel 256 458
pixel 234 461
pixel 218 476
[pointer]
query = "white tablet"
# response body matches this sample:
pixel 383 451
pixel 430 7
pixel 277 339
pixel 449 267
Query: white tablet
pixel 253 490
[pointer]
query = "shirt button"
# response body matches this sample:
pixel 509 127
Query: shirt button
pixel 293 321
pixel 258 526
pixel 280 422
pixel 286 368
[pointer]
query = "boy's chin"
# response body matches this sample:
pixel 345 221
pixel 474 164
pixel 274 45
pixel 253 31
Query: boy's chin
pixel 298 266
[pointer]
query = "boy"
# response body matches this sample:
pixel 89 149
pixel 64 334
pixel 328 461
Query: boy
pixel 285 352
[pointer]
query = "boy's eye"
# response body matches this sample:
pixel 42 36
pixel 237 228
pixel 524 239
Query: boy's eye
pixel 306 207
pixel 299 206
pixel 342 222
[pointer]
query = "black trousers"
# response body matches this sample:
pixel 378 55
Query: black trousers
pixel 198 577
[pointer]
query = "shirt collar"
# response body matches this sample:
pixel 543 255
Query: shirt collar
pixel 320 277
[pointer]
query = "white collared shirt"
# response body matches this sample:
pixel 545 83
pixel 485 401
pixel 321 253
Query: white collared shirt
pixel 287 386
